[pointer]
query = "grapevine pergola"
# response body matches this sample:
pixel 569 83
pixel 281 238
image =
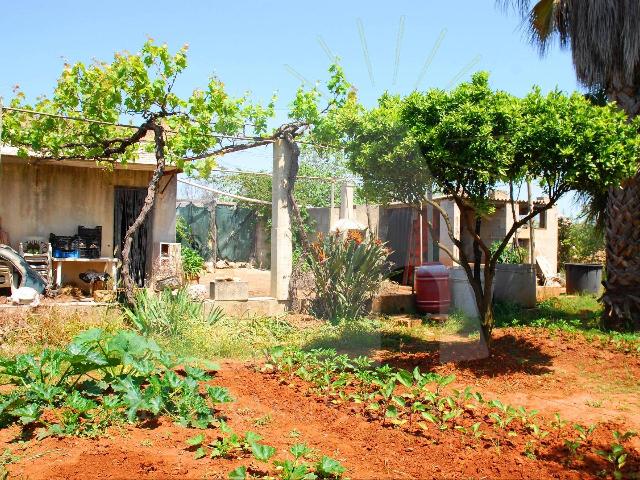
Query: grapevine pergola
pixel 82 122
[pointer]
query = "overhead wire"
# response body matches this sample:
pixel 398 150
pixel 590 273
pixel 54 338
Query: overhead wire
pixel 125 125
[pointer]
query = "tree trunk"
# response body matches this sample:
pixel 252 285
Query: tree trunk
pixel 294 210
pixel 622 285
pixel 622 233
pixel 485 305
pixel 477 254
pixel 127 281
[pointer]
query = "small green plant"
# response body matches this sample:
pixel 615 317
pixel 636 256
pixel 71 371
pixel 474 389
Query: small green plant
pixel 327 467
pixel 230 445
pixel 262 420
pixel 289 469
pixel 168 314
pixel 511 254
pixel 192 263
pixel 584 437
pixel 558 423
pixel 617 453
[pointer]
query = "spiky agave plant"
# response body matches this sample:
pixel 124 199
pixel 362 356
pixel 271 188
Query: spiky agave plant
pixel 347 274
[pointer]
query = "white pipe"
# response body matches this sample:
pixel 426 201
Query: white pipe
pixel 225 194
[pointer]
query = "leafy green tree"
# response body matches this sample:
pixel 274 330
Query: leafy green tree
pixel 603 39
pixel 466 143
pixel 138 88
pixel 580 241
pixel 188 132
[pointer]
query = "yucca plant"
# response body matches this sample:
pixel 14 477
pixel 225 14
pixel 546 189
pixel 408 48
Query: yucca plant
pixel 347 273
pixel 168 313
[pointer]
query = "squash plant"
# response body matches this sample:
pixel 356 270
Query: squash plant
pixel 104 378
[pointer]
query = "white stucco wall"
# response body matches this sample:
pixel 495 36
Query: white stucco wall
pixel 38 199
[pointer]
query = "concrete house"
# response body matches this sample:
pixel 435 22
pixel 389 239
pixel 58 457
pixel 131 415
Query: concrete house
pixel 495 227
pixel 40 197
pixel 394 224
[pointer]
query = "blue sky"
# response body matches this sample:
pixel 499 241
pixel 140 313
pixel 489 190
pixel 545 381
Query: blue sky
pixel 258 45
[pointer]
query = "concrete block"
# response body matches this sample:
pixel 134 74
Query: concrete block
pixel 546 292
pixel 394 303
pixel 235 290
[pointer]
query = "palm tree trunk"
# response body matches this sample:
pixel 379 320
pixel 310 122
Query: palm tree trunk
pixel 622 285
pixel 622 234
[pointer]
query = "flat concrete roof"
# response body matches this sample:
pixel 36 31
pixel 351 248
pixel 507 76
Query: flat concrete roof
pixel 145 161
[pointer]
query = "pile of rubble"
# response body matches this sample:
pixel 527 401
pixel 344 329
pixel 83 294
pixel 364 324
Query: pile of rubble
pixel 222 264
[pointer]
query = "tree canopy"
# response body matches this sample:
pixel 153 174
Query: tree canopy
pixel 134 89
pixel 468 142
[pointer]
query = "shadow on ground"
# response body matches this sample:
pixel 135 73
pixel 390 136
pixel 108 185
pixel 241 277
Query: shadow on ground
pixel 509 353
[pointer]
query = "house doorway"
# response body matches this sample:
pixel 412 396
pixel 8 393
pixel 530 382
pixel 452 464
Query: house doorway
pixel 127 206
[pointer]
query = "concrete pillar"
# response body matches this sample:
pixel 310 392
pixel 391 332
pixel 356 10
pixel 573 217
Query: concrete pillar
pixel 332 205
pixel 346 201
pixel 281 239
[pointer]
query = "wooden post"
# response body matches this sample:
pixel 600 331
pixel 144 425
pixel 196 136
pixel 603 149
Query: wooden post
pixel 431 212
pixel 333 201
pixel 213 230
pixel 532 235
pixel 420 219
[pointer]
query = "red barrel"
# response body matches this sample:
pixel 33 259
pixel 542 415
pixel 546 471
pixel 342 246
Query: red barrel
pixel 431 281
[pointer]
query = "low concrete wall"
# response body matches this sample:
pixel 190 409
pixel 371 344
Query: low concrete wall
pixel 515 284
pixel 256 306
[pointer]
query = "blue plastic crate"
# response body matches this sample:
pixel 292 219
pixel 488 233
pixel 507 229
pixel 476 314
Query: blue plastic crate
pixel 58 253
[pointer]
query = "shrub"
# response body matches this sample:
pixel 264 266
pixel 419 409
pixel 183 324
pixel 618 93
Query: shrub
pixel 168 314
pixel 192 263
pixel 347 273
pixel 580 242
pixel 511 254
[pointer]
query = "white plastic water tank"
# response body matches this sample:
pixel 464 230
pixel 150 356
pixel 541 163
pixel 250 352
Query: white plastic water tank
pixel 462 297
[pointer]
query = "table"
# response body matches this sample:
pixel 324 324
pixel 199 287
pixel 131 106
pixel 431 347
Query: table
pixel 109 260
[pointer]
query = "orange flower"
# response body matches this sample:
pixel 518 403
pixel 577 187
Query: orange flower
pixel 355 236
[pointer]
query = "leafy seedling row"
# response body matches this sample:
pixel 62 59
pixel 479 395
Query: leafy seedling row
pixel 426 402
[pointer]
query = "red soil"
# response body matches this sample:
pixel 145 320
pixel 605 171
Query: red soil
pixel 528 368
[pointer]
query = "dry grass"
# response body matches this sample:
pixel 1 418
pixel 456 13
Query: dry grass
pixel 32 330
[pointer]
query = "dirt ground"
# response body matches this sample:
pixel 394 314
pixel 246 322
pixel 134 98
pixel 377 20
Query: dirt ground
pixel 529 367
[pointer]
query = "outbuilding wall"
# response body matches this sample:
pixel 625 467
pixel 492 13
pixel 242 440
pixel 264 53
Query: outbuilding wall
pixel 37 199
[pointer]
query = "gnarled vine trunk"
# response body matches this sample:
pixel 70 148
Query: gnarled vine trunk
pixel 149 201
